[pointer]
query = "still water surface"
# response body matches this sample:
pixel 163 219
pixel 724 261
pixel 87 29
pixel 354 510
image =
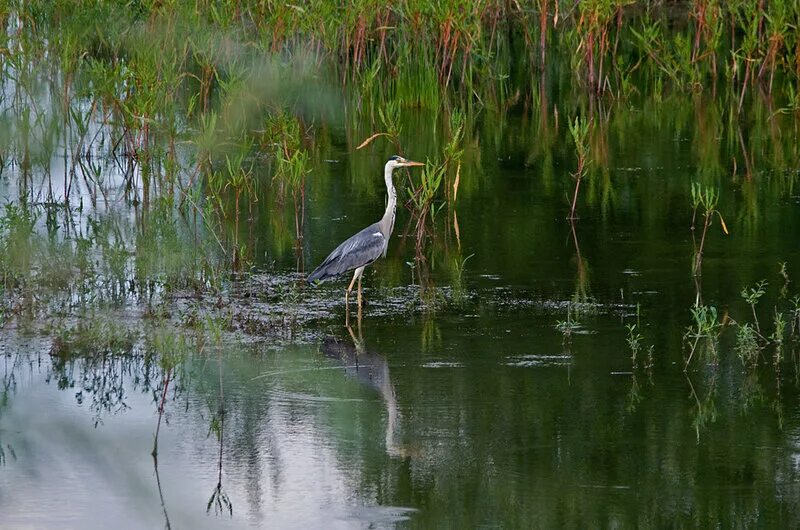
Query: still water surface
pixel 497 426
pixel 476 411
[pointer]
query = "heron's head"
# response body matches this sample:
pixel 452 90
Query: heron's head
pixel 398 161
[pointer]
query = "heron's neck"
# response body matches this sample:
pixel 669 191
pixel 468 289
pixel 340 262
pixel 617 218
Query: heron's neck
pixel 387 221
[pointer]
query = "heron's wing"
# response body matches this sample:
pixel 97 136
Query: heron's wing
pixel 357 251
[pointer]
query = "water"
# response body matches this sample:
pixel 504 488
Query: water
pixel 497 425
pixel 460 404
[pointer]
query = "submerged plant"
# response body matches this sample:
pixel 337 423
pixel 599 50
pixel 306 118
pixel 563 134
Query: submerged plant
pixel 170 349
pixel 784 273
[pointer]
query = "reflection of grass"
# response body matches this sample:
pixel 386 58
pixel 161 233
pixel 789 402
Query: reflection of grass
pixel 706 408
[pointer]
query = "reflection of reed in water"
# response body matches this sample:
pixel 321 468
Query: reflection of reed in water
pixel 167 524
pixel 582 287
pixel 372 370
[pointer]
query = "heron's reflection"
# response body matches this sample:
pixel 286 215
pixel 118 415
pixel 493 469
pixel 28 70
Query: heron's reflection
pixel 372 370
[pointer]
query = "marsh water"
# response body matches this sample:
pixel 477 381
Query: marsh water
pixel 491 381
pixel 471 408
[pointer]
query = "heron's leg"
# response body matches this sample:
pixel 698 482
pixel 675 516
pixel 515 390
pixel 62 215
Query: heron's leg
pixel 350 287
pixel 347 299
pixel 359 302
pixel 359 273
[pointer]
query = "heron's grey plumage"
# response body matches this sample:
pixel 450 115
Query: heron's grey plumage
pixel 359 250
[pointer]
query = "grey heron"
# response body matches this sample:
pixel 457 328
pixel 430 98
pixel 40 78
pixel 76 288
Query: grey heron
pixel 367 245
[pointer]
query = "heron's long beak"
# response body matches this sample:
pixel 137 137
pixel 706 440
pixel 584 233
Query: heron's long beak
pixel 411 163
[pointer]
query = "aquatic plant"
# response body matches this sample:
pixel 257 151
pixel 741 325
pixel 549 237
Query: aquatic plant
pixel 580 129
pixel 747 345
pixel 594 22
pixel 705 326
pixel 777 337
pixel 794 312
pixel 634 340
pixel 751 296
pixel 568 326
pixel 92 336
pixel 458 289
pixel 784 274
pixel 704 200
pixel 425 198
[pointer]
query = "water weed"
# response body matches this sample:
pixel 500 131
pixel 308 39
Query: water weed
pixel 580 128
pixel 751 296
pixel 705 327
pixel 704 202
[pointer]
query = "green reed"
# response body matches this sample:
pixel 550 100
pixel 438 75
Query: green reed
pixel 704 202
pixel 580 130
pixel 752 296
pixel 634 339
pixel 92 336
pixel 747 346
pixel 706 327
pixel 751 342
pixel 454 41
pixel 568 326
